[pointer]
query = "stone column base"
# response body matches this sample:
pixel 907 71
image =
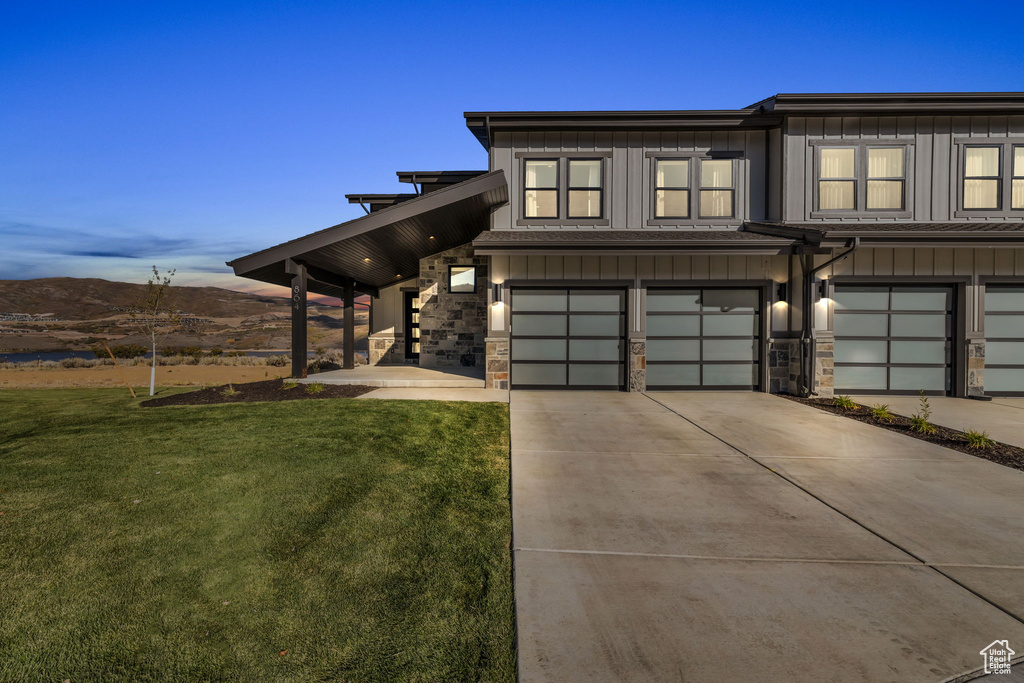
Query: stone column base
pixel 976 367
pixel 824 366
pixel 637 380
pixel 497 374
pixel 387 350
pixel 782 354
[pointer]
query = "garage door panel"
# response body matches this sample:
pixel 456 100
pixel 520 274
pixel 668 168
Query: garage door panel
pixel 717 342
pixel 1004 339
pixel 673 349
pixel 893 338
pixel 567 337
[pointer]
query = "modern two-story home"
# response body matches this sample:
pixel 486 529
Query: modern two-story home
pixel 847 243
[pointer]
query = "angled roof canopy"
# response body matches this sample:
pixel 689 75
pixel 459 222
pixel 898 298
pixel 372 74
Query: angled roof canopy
pixel 385 246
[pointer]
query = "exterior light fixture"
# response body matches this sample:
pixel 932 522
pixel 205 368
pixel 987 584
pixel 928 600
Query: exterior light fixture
pixel 431 237
pixel 496 296
pixel 366 260
pixel 823 289
pixel 782 292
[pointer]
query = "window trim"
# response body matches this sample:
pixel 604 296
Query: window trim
pixel 556 188
pixel 959 165
pixel 569 188
pixel 606 170
pixel 688 189
pixel 476 277
pixel 695 157
pixel 1013 172
pixel 860 187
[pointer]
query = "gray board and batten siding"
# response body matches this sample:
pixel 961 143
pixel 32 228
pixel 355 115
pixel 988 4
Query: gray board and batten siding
pixel 629 157
pixel 934 162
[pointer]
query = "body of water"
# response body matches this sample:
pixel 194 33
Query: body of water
pixel 32 357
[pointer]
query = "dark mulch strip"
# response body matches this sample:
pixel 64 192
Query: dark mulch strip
pixel 1002 453
pixel 251 392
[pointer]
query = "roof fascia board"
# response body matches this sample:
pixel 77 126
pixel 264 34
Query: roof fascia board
pixel 644 250
pixel 377 219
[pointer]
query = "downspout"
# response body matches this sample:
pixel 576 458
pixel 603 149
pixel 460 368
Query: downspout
pixel 807 346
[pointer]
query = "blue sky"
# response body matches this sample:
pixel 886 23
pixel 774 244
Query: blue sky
pixel 186 134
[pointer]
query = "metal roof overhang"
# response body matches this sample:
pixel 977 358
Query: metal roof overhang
pixel 628 242
pixel 385 246
pixel 964 234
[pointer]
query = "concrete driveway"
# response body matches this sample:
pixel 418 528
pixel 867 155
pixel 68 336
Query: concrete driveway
pixel 1002 418
pixel 736 536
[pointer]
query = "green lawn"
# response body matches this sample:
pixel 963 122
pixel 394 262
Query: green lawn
pixel 297 541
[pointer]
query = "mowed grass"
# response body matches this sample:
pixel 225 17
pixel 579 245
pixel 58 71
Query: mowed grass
pixel 299 541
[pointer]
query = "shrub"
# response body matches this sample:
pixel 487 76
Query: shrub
pixel 289 384
pixel 171 351
pixel 919 421
pixel 976 439
pixel 844 402
pixel 216 351
pixel 277 361
pixel 881 412
pixel 235 354
pixel 78 363
pixel 314 388
pixel 120 351
pixel 229 390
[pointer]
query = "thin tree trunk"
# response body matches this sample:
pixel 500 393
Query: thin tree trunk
pixel 152 372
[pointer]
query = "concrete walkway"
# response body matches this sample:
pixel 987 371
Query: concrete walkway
pixel 403 376
pixel 737 536
pixel 440 394
pixel 1002 418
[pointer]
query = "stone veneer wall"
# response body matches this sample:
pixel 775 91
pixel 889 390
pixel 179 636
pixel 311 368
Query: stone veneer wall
pixel 824 365
pixel 387 350
pixel 637 365
pixel 975 367
pixel 497 376
pixel 781 356
pixel 452 326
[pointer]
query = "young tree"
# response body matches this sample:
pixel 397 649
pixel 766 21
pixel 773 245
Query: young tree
pixel 153 314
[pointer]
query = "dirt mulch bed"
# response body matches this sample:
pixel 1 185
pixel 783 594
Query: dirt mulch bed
pixel 251 392
pixel 1001 453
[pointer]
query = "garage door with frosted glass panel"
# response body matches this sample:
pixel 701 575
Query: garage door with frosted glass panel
pixel 1004 340
pixel 703 338
pixel 567 338
pixel 893 339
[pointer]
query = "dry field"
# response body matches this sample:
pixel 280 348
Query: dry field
pixel 109 376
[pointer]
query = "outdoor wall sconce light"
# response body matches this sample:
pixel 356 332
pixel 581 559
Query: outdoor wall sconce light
pixel 782 292
pixel 496 294
pixel 823 289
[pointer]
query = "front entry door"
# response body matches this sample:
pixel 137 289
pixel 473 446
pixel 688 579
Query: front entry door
pixel 412 326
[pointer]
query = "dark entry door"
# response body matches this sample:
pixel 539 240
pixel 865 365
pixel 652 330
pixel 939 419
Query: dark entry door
pixel 412 326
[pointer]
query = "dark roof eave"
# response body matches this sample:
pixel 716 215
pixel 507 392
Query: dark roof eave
pixel 363 224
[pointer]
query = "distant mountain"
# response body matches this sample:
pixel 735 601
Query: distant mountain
pixel 89 299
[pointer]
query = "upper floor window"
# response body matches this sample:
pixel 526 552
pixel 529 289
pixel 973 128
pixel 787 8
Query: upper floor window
pixel 716 188
pixel 692 184
pixel 982 177
pixel 672 188
pixel 585 191
pixel 541 188
pixel 863 177
pixel 1017 191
